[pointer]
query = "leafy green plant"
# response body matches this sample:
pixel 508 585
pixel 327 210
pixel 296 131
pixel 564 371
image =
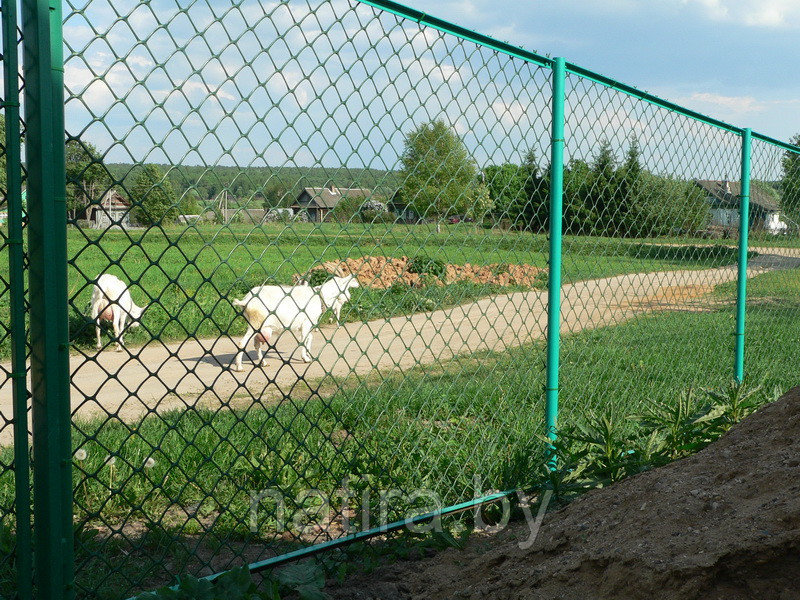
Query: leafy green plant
pixel 731 404
pixel 675 426
pixel 303 580
pixel 317 277
pixel 606 446
pixel 425 265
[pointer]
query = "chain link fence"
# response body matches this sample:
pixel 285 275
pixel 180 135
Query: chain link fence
pixel 390 178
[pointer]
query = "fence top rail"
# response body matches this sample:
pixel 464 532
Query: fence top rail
pixel 423 18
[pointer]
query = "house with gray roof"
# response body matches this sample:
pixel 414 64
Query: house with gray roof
pixel 319 202
pixel 724 198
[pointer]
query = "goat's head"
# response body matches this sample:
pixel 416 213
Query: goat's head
pixel 336 287
pixel 136 315
pixel 352 281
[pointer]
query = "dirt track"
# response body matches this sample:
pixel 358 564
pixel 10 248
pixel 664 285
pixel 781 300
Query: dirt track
pixel 160 376
pixel 723 524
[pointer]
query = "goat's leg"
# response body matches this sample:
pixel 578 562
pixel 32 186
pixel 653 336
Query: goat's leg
pixel 119 328
pixel 237 363
pixel 305 344
pixel 262 342
pixel 96 319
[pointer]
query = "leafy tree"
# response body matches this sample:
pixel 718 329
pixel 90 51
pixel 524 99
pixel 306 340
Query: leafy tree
pixel 580 214
pixel 519 193
pixel 480 204
pixel 276 195
pixel 154 199
pixel 506 185
pixel 87 177
pixel 629 182
pixel 664 205
pixel 190 203
pixel 438 172
pixel 790 184
pixel 536 208
pixel 605 191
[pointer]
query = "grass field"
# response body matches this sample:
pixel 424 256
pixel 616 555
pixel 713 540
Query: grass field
pixel 189 275
pixel 430 427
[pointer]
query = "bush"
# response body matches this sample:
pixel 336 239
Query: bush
pixel 375 216
pixel 425 265
pixel 154 199
pixel 279 215
pixel 317 277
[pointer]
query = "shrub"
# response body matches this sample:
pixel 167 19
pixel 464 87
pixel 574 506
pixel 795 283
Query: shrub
pixel 154 199
pixel 317 277
pixel 425 265
pixel 375 216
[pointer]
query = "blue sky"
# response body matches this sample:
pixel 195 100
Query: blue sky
pixel 302 83
pixel 737 60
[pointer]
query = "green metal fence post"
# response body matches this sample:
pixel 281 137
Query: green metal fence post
pixel 16 279
pixel 47 243
pixel 554 279
pixel 744 226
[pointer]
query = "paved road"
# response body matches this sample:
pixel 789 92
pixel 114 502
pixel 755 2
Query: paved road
pixel 159 377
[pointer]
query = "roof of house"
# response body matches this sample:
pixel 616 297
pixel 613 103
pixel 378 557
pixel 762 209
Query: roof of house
pixel 113 199
pixel 329 197
pixel 725 194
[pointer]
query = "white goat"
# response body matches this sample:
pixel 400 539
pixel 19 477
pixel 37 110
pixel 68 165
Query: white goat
pixel 296 308
pixel 343 297
pixel 111 301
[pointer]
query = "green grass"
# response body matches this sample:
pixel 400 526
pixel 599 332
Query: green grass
pixel 188 275
pixel 431 427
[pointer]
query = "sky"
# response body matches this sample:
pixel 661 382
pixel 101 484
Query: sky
pixel 338 83
pixel 737 60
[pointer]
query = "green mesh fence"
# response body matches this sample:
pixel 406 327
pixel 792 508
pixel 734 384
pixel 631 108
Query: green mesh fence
pixel 307 147
pixel 15 518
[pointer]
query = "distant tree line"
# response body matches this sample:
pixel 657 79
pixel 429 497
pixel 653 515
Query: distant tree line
pixel 258 187
pixel 601 197
pixel 790 183
pixel 438 178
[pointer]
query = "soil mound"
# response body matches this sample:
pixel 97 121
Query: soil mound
pixel 723 524
pixel 381 272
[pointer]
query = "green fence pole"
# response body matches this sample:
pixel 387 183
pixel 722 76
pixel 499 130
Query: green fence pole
pixel 16 280
pixel 47 247
pixel 744 226
pixel 554 279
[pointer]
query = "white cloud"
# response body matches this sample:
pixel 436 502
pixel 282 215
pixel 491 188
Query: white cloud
pixel 428 67
pixel 510 113
pixel 139 61
pixel 753 13
pixel 189 87
pixel 735 105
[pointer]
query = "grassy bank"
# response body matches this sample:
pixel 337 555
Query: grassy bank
pixel 177 475
pixel 188 275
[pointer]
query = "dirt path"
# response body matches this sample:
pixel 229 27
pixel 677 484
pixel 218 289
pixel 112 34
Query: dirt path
pixel 159 377
pixel 723 524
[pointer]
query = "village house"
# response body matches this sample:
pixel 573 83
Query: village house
pixel 724 199
pixel 112 209
pixel 317 203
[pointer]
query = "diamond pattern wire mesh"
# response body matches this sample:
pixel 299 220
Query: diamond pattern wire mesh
pixel 214 149
pixel 638 182
pixel 10 559
pixel 260 106
pixel 772 294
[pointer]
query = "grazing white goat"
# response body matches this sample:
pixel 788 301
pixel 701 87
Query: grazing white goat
pixel 296 308
pixel 344 294
pixel 111 301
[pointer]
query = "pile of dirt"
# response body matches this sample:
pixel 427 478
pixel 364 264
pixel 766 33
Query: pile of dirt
pixel 381 272
pixel 723 524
